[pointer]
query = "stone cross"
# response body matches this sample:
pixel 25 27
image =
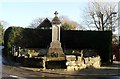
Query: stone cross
pixel 55 49
pixel 56 13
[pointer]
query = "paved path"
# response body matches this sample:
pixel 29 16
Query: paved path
pixel 90 72
pixel 111 72
pixel 24 73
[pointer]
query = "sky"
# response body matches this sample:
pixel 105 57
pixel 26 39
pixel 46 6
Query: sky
pixel 23 12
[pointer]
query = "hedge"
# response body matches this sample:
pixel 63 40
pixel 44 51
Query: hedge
pixel 70 39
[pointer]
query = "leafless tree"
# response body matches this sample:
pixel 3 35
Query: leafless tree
pixel 4 24
pixel 36 22
pixel 101 15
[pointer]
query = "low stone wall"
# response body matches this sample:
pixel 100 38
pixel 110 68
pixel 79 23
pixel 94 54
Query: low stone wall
pixel 78 62
pixel 71 63
pixel 29 62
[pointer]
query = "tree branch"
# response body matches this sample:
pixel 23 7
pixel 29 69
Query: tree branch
pixel 95 22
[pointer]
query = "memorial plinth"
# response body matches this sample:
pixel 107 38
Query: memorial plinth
pixel 55 51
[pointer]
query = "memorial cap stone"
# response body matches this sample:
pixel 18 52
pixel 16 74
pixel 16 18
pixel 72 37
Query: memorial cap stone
pixel 56 19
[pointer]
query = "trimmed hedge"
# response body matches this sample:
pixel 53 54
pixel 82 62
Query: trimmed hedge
pixel 70 39
pixel 99 40
pixel 26 38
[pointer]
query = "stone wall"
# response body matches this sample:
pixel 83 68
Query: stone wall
pixel 78 62
pixel 71 63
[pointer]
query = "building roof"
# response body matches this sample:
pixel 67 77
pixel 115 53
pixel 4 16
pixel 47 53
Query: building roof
pixel 48 24
pixel 45 23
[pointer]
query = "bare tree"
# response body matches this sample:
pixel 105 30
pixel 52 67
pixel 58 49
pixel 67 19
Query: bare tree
pixel 5 24
pixel 101 15
pixel 36 22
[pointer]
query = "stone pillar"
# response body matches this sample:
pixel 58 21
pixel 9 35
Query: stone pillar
pixel 59 32
pixel 55 33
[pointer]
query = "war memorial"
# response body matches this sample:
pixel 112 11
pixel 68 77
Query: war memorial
pixel 63 46
pixel 58 49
